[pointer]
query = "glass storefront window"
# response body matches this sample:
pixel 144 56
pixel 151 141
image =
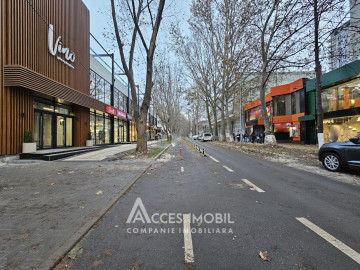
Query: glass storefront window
pixel 100 88
pixel 107 130
pixel 92 84
pixel 100 131
pixel 341 97
pixel 107 89
pixel 341 129
pixel 279 105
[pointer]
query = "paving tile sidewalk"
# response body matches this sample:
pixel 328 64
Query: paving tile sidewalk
pixel 46 206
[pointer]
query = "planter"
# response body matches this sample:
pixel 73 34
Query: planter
pixel 89 143
pixel 29 147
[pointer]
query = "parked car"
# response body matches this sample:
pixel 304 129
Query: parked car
pixel 206 137
pixel 195 137
pixel 199 137
pixel 338 155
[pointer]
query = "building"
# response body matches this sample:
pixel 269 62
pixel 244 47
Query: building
pixel 344 42
pixel 51 86
pixel 285 104
pixel 340 102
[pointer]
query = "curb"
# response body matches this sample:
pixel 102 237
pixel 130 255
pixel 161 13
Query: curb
pixel 61 252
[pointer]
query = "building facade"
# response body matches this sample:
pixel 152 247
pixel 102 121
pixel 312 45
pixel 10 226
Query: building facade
pixel 51 86
pixel 285 104
pixel 340 102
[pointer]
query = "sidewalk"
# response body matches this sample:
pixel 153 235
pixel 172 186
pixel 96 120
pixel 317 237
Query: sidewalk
pixel 108 152
pixel 45 207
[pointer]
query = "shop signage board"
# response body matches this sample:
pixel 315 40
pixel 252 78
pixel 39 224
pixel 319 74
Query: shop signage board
pixel 57 48
pixel 256 114
pixel 282 127
pixel 110 110
pixel 121 114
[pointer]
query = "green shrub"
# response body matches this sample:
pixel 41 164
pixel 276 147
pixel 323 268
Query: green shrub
pixel 89 137
pixel 28 137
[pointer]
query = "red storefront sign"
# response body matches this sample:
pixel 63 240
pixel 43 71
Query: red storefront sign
pixel 121 114
pixel 256 114
pixel 110 110
pixel 282 127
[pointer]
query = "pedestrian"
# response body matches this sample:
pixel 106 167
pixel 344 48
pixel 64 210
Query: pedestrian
pixel 253 137
pixel 246 136
pixel 258 137
pixel 238 137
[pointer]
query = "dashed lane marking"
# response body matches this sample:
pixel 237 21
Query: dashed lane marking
pixel 226 167
pixel 188 246
pixel 182 169
pixel 214 159
pixel 252 185
pixel 331 239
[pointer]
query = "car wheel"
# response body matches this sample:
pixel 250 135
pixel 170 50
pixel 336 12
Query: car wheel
pixel 331 162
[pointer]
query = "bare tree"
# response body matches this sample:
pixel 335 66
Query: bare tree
pixel 167 97
pixel 137 9
pixel 278 33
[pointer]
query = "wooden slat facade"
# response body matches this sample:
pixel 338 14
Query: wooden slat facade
pixel 27 65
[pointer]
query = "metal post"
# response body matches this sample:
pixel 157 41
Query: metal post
pixel 112 89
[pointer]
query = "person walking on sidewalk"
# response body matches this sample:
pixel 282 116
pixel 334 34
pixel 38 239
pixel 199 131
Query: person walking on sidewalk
pixel 246 136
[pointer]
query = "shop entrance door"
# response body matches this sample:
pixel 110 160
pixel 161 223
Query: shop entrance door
pixel 43 125
pixel 52 130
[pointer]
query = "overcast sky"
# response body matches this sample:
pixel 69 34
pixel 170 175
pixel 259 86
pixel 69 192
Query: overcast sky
pixel 175 10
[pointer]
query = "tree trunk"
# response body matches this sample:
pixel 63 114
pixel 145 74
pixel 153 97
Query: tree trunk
pixel 228 122
pixel 208 115
pixel 223 135
pixel 319 110
pixel 141 128
pixel 216 131
pixel 269 136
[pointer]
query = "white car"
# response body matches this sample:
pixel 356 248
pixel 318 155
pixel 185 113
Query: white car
pixel 206 137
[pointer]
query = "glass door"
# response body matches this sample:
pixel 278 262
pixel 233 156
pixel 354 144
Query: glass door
pixel 69 131
pixel 46 130
pixel 60 131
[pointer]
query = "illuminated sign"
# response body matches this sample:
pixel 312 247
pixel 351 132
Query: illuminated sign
pixel 256 114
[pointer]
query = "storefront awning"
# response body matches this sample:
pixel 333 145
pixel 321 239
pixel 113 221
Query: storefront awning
pixel 19 76
pixel 306 118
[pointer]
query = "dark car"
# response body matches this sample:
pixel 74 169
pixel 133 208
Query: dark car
pixel 338 155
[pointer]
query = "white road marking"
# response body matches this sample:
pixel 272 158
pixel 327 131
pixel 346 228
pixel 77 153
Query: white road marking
pixel 214 159
pixel 188 247
pixel 226 167
pixel 182 169
pixel 332 240
pixel 252 185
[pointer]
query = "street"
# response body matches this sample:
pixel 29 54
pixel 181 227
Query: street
pixel 238 206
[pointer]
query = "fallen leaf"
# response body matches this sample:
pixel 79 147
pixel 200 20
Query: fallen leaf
pixel 148 173
pixel 108 252
pixel 36 193
pixel 116 226
pixel 98 262
pixel 198 224
pixel 264 256
pixel 219 183
pixel 75 252
pixel 81 207
pixel 252 188
pixel 52 184
pixel 234 237
pixel 99 192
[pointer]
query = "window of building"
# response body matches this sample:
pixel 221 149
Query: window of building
pixel 107 90
pixel 279 105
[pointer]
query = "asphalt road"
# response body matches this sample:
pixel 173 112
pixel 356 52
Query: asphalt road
pixel 303 221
